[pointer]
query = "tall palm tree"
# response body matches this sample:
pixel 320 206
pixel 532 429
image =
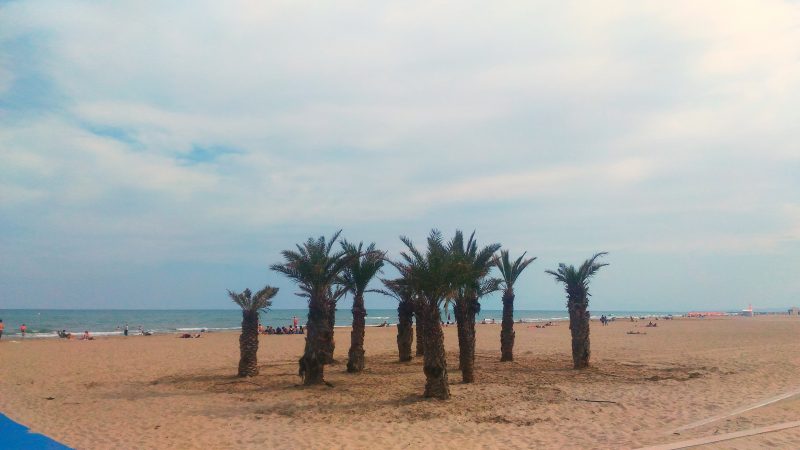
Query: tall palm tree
pixel 576 283
pixel 472 283
pixel 364 265
pixel 430 275
pixel 401 291
pixel 248 340
pixel 316 269
pixel 509 272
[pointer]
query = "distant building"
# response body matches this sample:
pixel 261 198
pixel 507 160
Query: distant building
pixel 794 311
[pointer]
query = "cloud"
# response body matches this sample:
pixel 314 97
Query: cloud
pixel 147 134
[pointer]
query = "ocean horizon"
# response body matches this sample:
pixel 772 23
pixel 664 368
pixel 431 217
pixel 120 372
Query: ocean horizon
pixel 44 323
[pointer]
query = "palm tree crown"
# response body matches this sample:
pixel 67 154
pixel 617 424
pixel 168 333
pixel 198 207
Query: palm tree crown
pixel 363 265
pixel 250 303
pixel 473 264
pixel 313 266
pixel 430 274
pixel 511 271
pixel 576 281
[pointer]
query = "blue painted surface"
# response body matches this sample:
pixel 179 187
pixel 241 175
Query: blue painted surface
pixel 14 436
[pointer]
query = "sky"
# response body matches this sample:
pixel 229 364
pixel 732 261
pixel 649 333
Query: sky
pixel 155 154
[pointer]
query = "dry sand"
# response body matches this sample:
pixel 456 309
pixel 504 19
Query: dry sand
pixel 164 392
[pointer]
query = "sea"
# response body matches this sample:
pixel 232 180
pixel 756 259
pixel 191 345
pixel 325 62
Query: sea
pixel 44 323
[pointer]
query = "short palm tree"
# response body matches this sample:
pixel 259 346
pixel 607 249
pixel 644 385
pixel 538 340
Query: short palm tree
pixel 430 276
pixel 509 272
pixel 316 268
pixel 248 340
pixel 472 282
pixel 401 291
pixel 576 283
pixel 364 265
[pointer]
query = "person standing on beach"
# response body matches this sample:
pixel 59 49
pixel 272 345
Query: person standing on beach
pixel 2 327
pixel 22 329
pixel 125 331
pixel 294 321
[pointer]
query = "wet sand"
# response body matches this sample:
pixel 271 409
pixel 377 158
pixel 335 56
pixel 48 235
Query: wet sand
pixel 164 392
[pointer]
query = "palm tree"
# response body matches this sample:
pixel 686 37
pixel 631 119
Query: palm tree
pixel 576 283
pixel 364 265
pixel 248 340
pixel 472 283
pixel 316 270
pixel 510 272
pixel 405 313
pixel 430 276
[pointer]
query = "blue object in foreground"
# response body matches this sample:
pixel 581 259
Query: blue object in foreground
pixel 14 436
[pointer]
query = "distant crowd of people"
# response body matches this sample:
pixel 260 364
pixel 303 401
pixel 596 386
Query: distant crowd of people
pixel 295 328
pixel 281 330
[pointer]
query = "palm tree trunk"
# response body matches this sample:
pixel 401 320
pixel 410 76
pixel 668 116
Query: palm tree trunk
pixel 507 333
pixel 405 330
pixel 355 361
pixel 331 323
pixel 420 331
pixel 435 362
pixel 579 327
pixel 248 345
pixel 319 343
pixel 465 316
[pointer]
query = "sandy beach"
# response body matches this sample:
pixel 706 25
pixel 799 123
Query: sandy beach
pixel 164 392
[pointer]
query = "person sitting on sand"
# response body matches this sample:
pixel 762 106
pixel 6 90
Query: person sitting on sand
pixel 86 336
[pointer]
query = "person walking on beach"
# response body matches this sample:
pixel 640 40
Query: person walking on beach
pixel 294 321
pixel 2 327
pixel 22 329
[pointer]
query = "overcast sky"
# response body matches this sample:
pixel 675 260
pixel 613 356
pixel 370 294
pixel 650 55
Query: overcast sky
pixel 154 154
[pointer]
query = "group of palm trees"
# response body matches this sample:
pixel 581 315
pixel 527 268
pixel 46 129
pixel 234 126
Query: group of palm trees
pixel 457 272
